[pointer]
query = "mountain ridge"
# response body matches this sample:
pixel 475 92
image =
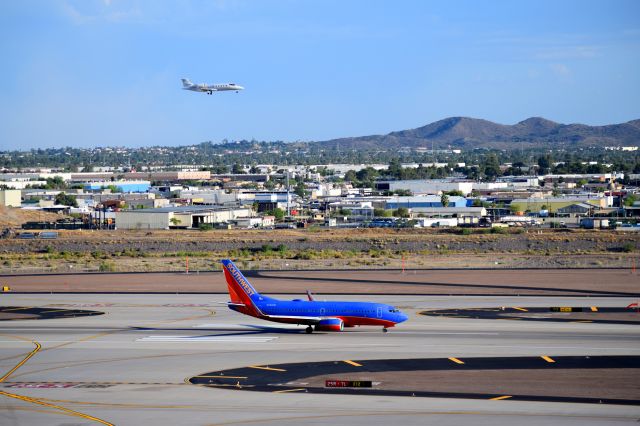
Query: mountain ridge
pixel 469 133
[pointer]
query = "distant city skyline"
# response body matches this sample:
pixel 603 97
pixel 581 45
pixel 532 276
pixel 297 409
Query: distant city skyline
pixel 107 72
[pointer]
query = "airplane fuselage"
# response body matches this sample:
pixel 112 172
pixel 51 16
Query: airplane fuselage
pixel 351 313
pixel 210 88
pixel 323 316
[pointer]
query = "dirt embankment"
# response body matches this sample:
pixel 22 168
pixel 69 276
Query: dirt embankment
pixel 532 242
pixel 14 217
pixel 309 249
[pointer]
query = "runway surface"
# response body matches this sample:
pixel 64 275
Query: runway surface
pixel 496 282
pixel 130 365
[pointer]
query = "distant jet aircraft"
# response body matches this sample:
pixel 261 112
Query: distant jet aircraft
pixel 210 88
pixel 324 316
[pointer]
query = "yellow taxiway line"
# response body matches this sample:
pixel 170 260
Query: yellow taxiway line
pixel 57 407
pixel 355 364
pixel 290 390
pixel 456 360
pixel 37 401
pixel 21 363
pixel 265 368
pixel 548 359
pixel 499 398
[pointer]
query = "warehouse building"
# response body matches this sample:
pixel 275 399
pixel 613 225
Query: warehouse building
pixel 554 203
pixel 121 185
pixel 10 198
pixel 426 201
pixel 426 186
pixel 177 217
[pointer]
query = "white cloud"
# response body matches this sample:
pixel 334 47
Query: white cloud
pixel 560 69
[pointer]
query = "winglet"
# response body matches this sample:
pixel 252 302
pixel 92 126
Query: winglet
pixel 310 296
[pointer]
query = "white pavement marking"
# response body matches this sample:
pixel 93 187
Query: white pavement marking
pixel 192 339
pixel 251 326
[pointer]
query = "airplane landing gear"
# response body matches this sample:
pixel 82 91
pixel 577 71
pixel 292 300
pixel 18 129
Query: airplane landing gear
pixel 309 330
pixel 384 329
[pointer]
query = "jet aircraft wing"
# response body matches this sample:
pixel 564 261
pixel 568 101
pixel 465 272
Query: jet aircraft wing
pixel 301 319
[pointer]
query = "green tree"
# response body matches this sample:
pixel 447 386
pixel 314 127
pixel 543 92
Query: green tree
pixel 66 200
pixel 237 169
pixel 492 167
pixel 278 213
pixel 401 212
pixel 544 163
pixel 300 190
pixel 379 212
pixel 444 199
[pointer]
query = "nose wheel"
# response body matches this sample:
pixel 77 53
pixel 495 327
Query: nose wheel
pixel 384 329
pixel 309 330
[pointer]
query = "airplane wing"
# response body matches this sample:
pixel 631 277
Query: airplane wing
pixel 293 318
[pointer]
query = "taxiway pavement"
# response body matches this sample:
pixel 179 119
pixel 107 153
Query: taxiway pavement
pixel 129 366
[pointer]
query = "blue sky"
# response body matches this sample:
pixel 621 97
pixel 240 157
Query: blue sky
pixel 107 72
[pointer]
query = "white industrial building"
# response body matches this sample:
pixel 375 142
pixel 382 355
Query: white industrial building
pixel 426 186
pixel 10 198
pixel 177 217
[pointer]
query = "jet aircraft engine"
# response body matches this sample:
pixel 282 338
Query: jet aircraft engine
pixel 330 324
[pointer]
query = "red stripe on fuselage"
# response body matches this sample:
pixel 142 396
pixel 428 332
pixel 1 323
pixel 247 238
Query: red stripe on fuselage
pixel 353 321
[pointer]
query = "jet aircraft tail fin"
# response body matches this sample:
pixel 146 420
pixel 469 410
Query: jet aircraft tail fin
pixel 240 290
pixel 186 82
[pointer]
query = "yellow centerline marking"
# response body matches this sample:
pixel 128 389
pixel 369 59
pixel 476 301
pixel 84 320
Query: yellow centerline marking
pixel 265 368
pixel 548 359
pixel 456 360
pixel 355 364
pixel 290 390
pixel 594 309
pixel 520 309
pixel 221 377
pixel 57 407
pixel 21 363
pixel 498 398
pixel 37 401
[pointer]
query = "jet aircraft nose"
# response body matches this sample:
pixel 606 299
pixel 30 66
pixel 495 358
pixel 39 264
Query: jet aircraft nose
pixel 239 87
pixel 402 317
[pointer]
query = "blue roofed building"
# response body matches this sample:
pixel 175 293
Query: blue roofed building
pixel 425 201
pixel 121 185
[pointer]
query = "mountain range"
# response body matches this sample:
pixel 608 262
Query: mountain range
pixel 472 133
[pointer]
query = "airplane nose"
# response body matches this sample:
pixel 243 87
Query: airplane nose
pixel 240 87
pixel 402 317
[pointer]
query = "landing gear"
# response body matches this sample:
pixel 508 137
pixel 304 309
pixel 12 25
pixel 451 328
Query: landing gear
pixel 309 330
pixel 384 329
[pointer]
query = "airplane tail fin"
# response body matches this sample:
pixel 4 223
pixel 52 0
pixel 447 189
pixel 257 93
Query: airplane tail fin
pixel 240 290
pixel 186 82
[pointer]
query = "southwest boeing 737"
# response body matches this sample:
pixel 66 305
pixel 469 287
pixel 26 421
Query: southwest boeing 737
pixel 323 316
pixel 210 88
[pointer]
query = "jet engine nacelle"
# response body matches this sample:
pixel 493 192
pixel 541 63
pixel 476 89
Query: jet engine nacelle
pixel 330 324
